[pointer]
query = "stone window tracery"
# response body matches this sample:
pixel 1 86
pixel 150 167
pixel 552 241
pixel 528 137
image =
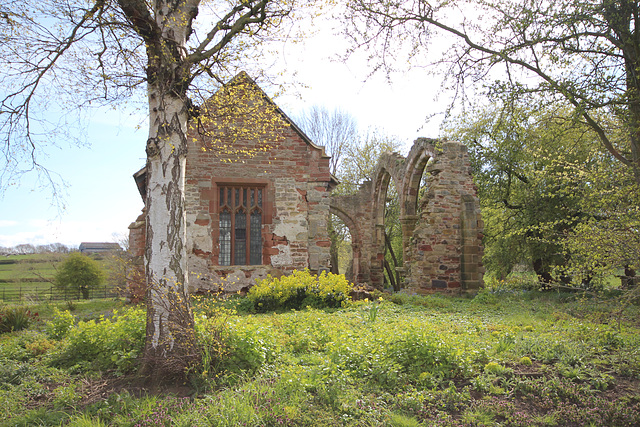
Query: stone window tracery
pixel 241 213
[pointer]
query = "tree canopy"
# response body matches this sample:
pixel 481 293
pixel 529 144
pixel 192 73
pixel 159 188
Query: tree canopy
pixel 581 53
pixel 552 198
pixel 79 273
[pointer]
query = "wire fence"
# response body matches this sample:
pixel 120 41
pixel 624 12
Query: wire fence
pixel 50 293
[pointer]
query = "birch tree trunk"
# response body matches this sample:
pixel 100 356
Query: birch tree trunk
pixel 165 27
pixel 170 346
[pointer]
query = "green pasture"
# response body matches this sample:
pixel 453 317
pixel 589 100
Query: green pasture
pixel 34 273
pixel 26 268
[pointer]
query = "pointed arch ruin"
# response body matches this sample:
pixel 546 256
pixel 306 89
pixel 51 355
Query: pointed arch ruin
pixel 441 230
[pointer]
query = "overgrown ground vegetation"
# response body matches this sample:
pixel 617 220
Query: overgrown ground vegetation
pixel 502 357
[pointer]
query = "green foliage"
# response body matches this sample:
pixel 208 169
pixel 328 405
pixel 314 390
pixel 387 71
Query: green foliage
pixel 66 397
pixel 526 361
pixel 397 420
pixel 373 309
pixel 495 368
pixel 62 322
pixel 107 343
pixel 432 301
pixel 212 334
pixel 251 346
pixel 552 200
pixel 432 360
pixel 299 290
pixel 16 318
pixel 40 417
pixel 79 273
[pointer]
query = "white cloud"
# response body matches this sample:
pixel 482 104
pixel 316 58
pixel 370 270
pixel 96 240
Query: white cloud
pixel 7 223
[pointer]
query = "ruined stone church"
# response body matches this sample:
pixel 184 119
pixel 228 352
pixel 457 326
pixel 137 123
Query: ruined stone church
pixel 258 200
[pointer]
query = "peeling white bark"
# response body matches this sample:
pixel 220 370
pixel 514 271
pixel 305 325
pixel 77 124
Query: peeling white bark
pixel 166 220
pixel 170 331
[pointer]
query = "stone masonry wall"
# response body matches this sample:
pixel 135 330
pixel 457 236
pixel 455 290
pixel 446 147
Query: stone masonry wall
pixel 296 180
pixel 242 138
pixel 445 251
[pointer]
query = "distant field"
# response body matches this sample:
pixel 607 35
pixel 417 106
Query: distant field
pixel 28 270
pixel 31 276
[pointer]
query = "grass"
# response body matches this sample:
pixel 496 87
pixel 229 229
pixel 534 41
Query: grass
pixel 33 274
pixel 25 268
pixel 521 359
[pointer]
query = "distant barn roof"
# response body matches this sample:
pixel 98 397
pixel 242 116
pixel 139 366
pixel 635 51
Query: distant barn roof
pixel 99 247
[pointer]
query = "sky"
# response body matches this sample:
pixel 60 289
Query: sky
pixel 100 197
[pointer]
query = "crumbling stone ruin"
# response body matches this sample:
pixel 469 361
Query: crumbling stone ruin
pixel 262 206
pixel 441 228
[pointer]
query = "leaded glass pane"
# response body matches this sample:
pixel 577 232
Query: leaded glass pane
pixel 256 238
pixel 224 257
pixel 240 255
pixel 240 226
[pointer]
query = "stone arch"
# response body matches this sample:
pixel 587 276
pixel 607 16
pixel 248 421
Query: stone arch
pixel 390 168
pixel 381 185
pixel 356 240
pixel 421 152
pixel 441 239
pixel 356 212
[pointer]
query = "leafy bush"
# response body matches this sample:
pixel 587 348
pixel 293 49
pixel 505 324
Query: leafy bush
pixel 16 319
pixel 61 324
pixel 79 273
pixel 113 343
pixel 212 334
pixel 39 347
pixel 299 290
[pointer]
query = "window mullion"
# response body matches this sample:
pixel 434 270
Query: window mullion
pixel 233 229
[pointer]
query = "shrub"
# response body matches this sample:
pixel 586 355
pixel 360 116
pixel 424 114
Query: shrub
pixel 113 343
pixel 16 319
pixel 79 273
pixel 299 290
pixel 39 346
pixel 526 361
pixel 212 333
pixel 61 324
pixel 494 368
